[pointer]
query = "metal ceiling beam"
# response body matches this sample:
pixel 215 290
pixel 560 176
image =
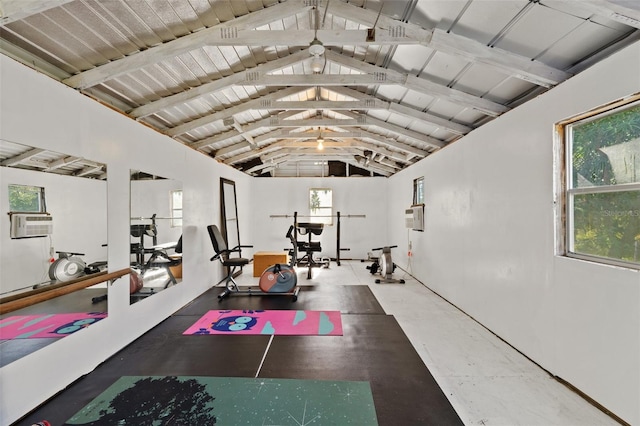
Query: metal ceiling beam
pixel 343 144
pixel 228 113
pixel 25 156
pixel 222 83
pixel 411 151
pixel 421 85
pixel 450 126
pixel 185 44
pixel 311 154
pixel 61 162
pixel 14 10
pixel 421 138
pixel 512 64
pixel 622 11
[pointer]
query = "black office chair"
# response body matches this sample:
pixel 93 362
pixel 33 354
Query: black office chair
pixel 230 263
pixel 161 259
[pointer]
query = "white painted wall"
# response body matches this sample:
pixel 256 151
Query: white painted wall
pixel 489 243
pixel 78 208
pixel 351 196
pixel 39 112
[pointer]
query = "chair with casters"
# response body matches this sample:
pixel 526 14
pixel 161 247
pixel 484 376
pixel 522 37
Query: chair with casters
pixel 276 280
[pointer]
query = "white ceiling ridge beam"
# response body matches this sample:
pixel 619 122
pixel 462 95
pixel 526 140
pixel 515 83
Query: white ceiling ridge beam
pixel 345 144
pixel 15 10
pixel 422 85
pixel 515 65
pixel 334 105
pixel 321 80
pixel 411 134
pixel 216 85
pixel 228 113
pixel 185 44
pixel 25 156
pixel 287 134
pixel 309 122
pixel 450 126
pixel 223 137
pixel 253 37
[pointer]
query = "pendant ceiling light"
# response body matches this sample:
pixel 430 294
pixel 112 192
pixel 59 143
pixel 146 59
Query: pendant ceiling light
pixel 317 50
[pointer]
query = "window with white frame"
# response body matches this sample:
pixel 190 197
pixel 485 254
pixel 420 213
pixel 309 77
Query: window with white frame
pixel 602 184
pixel 321 205
pixel 25 198
pixel 176 208
pixel 418 191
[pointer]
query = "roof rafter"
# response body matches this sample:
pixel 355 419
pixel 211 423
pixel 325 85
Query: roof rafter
pixel 512 64
pixel 421 85
pixel 184 44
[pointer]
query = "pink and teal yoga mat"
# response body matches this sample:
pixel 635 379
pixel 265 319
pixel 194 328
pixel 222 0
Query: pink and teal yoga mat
pixel 285 322
pixel 46 325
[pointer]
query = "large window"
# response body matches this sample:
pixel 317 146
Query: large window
pixel 23 198
pixel 321 205
pixel 603 185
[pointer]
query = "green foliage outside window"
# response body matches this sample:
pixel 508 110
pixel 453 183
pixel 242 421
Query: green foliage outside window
pixel 605 168
pixel 23 198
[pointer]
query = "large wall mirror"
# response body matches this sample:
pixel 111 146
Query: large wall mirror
pixel 229 216
pixel 229 213
pixel 155 233
pixel 53 234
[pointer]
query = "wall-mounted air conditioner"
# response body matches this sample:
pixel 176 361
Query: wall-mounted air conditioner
pixel 414 217
pixel 24 225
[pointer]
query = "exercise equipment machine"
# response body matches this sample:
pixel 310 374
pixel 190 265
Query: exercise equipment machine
pixel 277 280
pixel 338 217
pixel 69 265
pixel 308 247
pixel 384 264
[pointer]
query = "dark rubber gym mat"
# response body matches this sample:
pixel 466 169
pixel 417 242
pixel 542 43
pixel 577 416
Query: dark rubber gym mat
pixel 163 351
pixel 348 299
pixel 375 349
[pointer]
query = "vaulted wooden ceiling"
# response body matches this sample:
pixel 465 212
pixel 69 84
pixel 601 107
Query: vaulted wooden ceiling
pixel 257 83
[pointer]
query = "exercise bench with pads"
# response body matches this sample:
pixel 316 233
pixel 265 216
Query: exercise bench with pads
pixel 276 280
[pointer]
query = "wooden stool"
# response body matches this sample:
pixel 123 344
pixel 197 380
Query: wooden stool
pixel 263 259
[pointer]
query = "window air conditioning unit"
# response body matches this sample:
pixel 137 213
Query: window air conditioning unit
pixel 414 218
pixel 25 225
